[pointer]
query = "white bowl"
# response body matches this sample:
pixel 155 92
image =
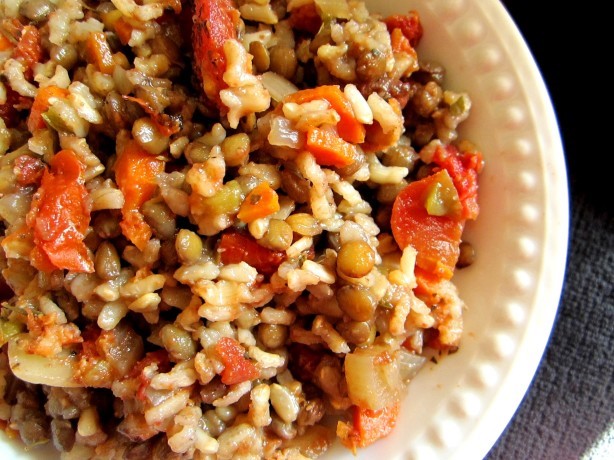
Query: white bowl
pixel 457 409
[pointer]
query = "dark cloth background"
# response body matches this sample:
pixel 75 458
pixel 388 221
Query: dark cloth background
pixel 570 404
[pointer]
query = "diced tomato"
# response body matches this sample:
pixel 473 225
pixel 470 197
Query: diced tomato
pixel 237 368
pixel 306 18
pixel 29 49
pixel 349 128
pixel 409 24
pixel 236 246
pixel 464 168
pixel 400 43
pixel 436 238
pixel 304 360
pixel 367 426
pixel 60 216
pixel 136 174
pixel 215 22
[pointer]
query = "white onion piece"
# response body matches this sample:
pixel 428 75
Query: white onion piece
pixel 409 364
pixel 56 371
pixel 282 134
pixel 373 377
pixel 277 86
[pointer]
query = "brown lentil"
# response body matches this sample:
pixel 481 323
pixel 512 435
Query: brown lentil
pixel 262 60
pixel 355 259
pixel 466 255
pixel 106 261
pixel 304 224
pixel 177 342
pixel 189 246
pixel 149 137
pixel 235 149
pixel 159 216
pixel 357 302
pixel 356 332
pixel 272 335
pixel 283 61
pixel 278 237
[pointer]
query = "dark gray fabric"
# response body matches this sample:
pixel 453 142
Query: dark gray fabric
pixel 570 404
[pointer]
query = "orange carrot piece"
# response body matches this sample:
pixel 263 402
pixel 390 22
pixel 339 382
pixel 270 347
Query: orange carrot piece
pixel 436 238
pixel 42 101
pixel 5 43
pixel 260 202
pixel 367 426
pixel 123 29
pixel 329 149
pixel 349 128
pixel 135 173
pixel 99 53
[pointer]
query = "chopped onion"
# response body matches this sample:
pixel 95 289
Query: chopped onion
pixel 277 86
pixel 283 135
pixel 373 377
pixel 409 364
pixel 55 371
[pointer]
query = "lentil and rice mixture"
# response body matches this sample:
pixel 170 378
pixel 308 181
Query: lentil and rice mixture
pixel 228 229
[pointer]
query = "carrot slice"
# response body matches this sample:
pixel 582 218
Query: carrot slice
pixel 136 173
pixel 436 238
pixel 349 128
pixel 98 52
pixel 329 149
pixel 41 104
pixel 262 201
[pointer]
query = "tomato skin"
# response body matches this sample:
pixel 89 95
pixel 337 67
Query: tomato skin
pixel 59 216
pixel 236 246
pixel 464 168
pixel 29 49
pixel 435 238
pixel 237 368
pixel 306 18
pixel 215 22
pixel 409 25
pixel 136 174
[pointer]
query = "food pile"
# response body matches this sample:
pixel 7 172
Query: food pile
pixel 227 229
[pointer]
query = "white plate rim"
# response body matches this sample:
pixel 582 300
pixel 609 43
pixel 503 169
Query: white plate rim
pixel 474 408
